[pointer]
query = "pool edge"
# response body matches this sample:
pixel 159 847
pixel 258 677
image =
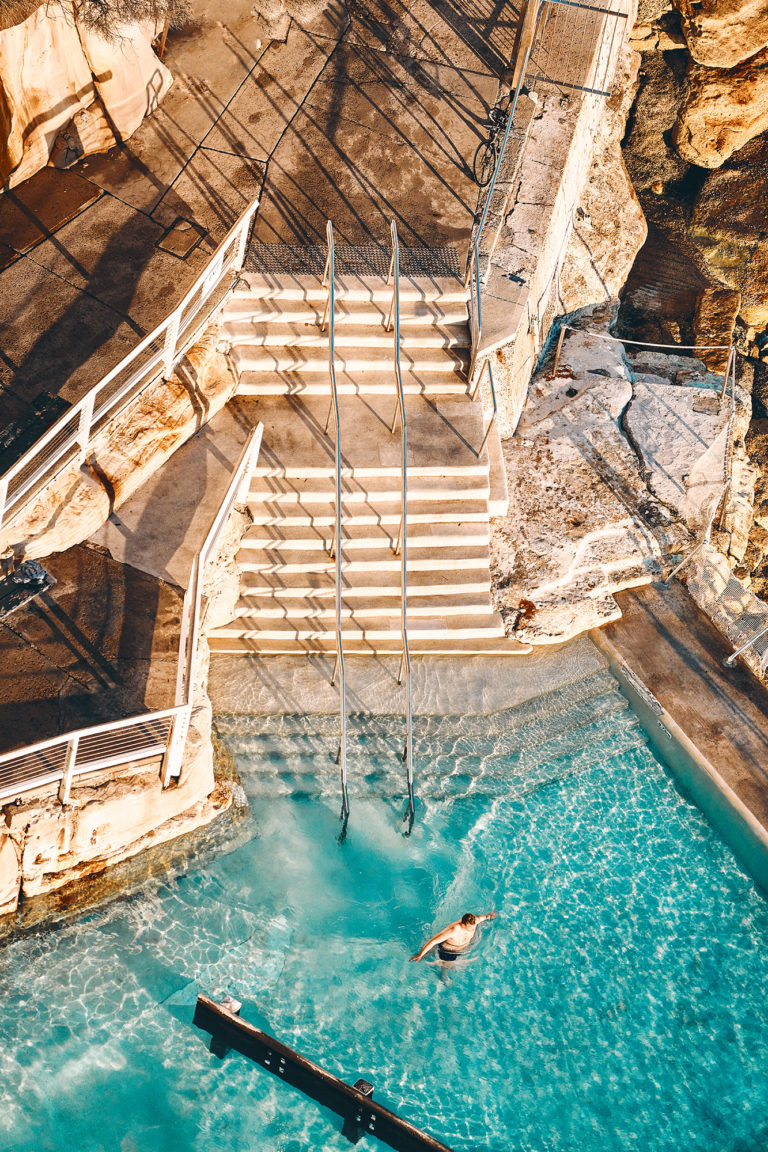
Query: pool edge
pixel 742 831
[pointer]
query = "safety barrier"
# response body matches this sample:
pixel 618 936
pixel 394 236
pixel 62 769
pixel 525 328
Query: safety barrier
pixel 71 437
pixel 162 734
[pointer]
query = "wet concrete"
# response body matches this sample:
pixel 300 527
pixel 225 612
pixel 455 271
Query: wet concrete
pixel 677 653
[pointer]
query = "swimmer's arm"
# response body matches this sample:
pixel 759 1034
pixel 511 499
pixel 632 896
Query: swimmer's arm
pixel 446 932
pixel 487 916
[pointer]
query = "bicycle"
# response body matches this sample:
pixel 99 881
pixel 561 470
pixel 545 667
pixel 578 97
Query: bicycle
pixel 487 154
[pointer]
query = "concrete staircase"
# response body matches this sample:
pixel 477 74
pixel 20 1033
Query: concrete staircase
pixel 288 594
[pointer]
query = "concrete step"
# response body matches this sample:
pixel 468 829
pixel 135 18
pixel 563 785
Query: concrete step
pixel 374 560
pixel 350 360
pixel 264 608
pixel 322 514
pixel 284 491
pixel 413 290
pixel 371 383
pixel 364 537
pixel 444 435
pixel 321 586
pixel 365 627
pixel 448 645
pixel 349 313
pixel 360 338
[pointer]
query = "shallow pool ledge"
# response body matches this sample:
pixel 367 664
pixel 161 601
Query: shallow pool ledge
pixel 738 825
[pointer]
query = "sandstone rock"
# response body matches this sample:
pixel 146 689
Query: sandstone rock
pixel 44 80
pixel 714 321
pixel 722 111
pixel 10 873
pixel 608 227
pixel 128 76
pixel 131 448
pixel 682 448
pixel 722 33
pixel 56 77
pixel 648 156
pixel 728 225
pixel 570 539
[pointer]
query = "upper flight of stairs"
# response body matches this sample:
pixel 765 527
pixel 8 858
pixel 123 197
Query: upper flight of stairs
pixel 288 592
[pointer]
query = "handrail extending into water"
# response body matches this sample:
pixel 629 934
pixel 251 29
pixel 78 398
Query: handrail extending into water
pixel 393 322
pixel 329 319
pixel 495 411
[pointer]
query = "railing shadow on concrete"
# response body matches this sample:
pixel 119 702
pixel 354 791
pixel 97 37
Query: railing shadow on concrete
pixel 162 734
pixel 155 357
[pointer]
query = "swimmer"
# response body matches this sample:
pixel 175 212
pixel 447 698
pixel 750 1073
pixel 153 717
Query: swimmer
pixel 456 938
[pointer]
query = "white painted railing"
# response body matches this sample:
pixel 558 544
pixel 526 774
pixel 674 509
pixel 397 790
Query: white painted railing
pixel 71 437
pixel 62 759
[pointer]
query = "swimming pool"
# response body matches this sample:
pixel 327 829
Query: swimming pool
pixel 617 1003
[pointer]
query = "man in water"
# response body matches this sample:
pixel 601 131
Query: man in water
pixel 456 938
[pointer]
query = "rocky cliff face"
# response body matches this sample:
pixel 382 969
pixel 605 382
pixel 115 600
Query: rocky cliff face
pixel 697 152
pixel 66 92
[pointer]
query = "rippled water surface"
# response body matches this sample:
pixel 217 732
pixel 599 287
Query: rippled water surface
pixel 619 1001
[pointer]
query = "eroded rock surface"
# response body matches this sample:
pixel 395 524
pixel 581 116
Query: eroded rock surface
pixel 616 466
pixel 722 33
pixel 609 226
pixel 729 225
pixel 722 110
pixel 65 92
pixel 131 448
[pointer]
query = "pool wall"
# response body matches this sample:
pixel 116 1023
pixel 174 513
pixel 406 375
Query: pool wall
pixel 694 773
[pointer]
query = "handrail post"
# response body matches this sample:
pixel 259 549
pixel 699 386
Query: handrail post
pixel 338 668
pixel 174 749
pixel 84 426
pixel 3 498
pixel 169 347
pixel 402 540
pixel 69 768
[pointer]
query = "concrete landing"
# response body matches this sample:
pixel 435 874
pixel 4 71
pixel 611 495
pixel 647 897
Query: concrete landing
pixel 100 645
pixel 678 654
pixel 160 529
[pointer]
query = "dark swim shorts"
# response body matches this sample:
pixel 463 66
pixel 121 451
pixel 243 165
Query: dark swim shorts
pixel 445 952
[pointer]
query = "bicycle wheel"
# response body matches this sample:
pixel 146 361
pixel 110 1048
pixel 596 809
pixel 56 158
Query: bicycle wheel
pixel 484 162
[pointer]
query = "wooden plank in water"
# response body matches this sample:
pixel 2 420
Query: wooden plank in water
pixel 359 1111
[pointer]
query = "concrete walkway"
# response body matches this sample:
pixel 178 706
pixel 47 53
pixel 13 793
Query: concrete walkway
pixel 679 655
pixel 359 112
pixel 101 644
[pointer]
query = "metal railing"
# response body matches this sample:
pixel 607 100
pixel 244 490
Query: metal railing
pixel 393 322
pixel 155 734
pixel 329 319
pixel 476 307
pixel 494 406
pixel 71 437
pixel 704 537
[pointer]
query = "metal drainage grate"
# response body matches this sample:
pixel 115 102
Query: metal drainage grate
pixel 354 259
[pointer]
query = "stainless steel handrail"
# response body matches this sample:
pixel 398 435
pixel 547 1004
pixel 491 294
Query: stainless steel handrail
pixel 402 541
pixel 474 275
pixel 495 412
pixel 329 319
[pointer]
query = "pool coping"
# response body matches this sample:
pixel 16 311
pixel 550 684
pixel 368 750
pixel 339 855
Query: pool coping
pixel 739 827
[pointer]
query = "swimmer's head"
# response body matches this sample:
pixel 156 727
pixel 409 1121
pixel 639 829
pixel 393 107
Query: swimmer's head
pixel 468 919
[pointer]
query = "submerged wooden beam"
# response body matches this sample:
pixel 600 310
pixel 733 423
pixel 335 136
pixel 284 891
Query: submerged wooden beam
pixel 361 1114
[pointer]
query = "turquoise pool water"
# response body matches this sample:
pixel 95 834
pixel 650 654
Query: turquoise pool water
pixel 618 1002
